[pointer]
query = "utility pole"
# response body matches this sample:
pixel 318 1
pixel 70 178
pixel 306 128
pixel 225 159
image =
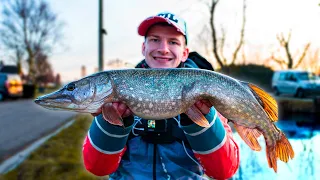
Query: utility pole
pixel 101 31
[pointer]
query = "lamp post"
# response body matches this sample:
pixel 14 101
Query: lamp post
pixel 101 31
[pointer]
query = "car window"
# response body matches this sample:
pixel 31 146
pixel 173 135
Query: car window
pixel 287 76
pixel 282 76
pixel 306 76
pixel 290 77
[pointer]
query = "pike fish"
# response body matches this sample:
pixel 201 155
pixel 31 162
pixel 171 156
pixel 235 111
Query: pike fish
pixel 165 93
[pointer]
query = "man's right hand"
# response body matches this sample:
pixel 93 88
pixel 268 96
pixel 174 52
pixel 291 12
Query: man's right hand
pixel 122 109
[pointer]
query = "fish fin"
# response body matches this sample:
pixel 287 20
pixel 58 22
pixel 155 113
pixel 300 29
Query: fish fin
pixel 283 150
pixel 272 158
pixel 197 117
pixel 268 103
pixel 249 136
pixel 111 115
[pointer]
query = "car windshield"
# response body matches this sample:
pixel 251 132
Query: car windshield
pixel 307 76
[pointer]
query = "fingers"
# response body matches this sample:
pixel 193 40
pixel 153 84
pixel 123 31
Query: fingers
pixel 207 103
pixel 97 113
pixel 204 106
pixel 123 109
pixel 127 113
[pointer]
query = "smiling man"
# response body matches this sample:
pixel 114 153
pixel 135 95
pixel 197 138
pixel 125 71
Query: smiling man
pixel 173 148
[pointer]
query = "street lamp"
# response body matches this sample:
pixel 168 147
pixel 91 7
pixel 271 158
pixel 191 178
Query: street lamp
pixel 101 32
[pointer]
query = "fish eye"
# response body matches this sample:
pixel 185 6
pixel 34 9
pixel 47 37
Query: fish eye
pixel 71 87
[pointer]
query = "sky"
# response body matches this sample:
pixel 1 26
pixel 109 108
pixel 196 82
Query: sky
pixel 265 18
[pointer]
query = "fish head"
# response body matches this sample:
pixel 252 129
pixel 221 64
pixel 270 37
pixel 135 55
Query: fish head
pixel 84 95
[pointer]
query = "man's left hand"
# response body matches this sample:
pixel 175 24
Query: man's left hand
pixel 204 106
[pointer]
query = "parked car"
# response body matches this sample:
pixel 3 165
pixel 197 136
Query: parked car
pixel 10 83
pixel 296 83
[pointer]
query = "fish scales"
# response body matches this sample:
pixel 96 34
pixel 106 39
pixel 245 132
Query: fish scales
pixel 165 93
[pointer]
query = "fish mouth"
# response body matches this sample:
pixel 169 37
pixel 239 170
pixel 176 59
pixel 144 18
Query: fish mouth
pixel 56 103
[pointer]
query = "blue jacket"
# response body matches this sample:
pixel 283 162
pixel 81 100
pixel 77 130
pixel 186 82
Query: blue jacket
pixel 107 151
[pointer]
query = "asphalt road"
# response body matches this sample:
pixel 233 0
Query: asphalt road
pixel 22 122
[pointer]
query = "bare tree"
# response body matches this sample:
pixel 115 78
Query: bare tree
pixel 203 38
pixel 44 72
pixel 285 44
pixel 28 28
pixel 218 54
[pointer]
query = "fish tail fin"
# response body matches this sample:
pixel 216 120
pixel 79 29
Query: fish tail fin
pixel 272 158
pixel 282 150
pixel 250 136
pixel 268 103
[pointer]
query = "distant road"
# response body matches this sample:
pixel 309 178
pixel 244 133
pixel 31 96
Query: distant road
pixel 22 122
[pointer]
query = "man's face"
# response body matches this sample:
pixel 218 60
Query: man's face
pixel 164 47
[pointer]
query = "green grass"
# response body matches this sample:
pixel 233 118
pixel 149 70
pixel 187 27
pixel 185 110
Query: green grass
pixel 59 158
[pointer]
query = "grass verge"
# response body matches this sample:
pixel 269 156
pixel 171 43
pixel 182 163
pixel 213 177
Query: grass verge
pixel 58 158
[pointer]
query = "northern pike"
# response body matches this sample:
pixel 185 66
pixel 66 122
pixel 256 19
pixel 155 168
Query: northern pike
pixel 165 93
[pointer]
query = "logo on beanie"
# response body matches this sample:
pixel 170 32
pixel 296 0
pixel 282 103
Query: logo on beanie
pixel 169 16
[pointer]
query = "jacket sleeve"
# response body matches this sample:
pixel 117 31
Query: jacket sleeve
pixel 214 147
pixel 104 146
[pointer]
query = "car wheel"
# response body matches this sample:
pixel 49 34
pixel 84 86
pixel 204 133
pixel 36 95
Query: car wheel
pixel 1 97
pixel 276 91
pixel 300 93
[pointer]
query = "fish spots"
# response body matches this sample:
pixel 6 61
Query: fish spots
pixel 146 111
pixel 139 105
pixel 140 99
pixel 131 88
pixel 134 109
pixel 150 105
pixel 173 103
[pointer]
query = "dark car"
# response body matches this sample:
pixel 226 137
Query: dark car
pixel 10 83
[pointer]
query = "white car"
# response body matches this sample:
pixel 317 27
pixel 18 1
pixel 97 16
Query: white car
pixel 296 83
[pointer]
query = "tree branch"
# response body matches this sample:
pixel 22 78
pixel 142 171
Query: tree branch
pixel 213 33
pixel 234 57
pixel 285 43
pixel 222 43
pixel 303 55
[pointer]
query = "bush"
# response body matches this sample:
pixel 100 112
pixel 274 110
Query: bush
pixel 256 74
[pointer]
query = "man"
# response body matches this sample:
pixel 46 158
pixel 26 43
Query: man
pixel 173 148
